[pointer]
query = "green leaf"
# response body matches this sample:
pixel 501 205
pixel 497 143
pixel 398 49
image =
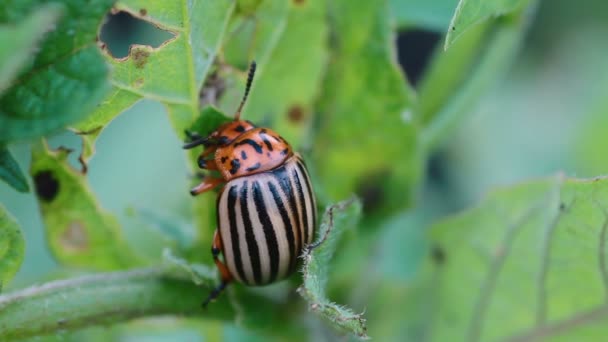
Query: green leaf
pixel 10 171
pixel 528 263
pixel 472 12
pixel 12 247
pixel 18 42
pixel 317 263
pixel 430 15
pixel 66 79
pixel 198 27
pixel 79 232
pixel 367 141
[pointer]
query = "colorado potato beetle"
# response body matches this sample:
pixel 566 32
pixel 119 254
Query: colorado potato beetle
pixel 266 208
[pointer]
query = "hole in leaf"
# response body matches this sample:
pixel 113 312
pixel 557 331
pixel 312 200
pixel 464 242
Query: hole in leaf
pixel 121 30
pixel 414 51
pixel 46 185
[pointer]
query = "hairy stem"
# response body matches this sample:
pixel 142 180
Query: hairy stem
pixel 102 299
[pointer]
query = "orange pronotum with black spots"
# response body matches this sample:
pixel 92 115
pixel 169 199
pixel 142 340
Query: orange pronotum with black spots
pixel 266 209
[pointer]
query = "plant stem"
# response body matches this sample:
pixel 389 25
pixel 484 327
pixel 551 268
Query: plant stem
pixel 102 299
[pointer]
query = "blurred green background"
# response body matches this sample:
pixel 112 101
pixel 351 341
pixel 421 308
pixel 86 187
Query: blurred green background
pixel 549 114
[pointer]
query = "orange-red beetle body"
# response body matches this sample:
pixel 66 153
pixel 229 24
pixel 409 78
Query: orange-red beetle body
pixel 266 209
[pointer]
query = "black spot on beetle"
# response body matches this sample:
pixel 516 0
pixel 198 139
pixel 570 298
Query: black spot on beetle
pixel 268 144
pixel 253 167
pixel 438 255
pixel 263 131
pixel 46 185
pixel 224 159
pixel 239 128
pixel 255 145
pixel 236 165
pixel 285 151
pixel 243 155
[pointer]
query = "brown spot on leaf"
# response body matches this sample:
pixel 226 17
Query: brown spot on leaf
pixel 47 186
pixel 295 114
pixel 74 238
pixel 140 56
pixel 299 2
pixel 138 82
pixel 143 11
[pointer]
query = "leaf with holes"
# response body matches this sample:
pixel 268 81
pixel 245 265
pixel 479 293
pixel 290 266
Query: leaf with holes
pixel 10 171
pixel 66 79
pixel 316 269
pixel 172 73
pixel 365 110
pixel 472 12
pixel 12 247
pixel 528 263
pixel 79 232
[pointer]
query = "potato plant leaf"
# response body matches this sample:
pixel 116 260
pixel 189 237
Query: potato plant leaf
pixel 10 171
pixel 79 232
pixel 65 80
pixel 317 263
pixel 365 110
pixel 12 247
pixel 528 263
pixel 174 72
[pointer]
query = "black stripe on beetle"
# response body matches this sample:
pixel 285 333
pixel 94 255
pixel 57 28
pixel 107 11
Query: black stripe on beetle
pixel 236 165
pixel 269 231
pixel 239 128
pixel 256 147
pixel 285 185
pixel 252 245
pixel 234 232
pixel 302 168
pixel 224 159
pixel 296 176
pixel 286 222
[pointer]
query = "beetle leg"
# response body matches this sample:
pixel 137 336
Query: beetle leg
pixel 206 185
pixel 216 249
pixel 194 140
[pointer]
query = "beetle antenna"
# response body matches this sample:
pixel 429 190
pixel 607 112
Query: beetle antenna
pixel 237 116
